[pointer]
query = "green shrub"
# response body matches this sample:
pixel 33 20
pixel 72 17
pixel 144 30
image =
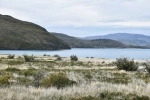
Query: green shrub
pixel 126 64
pixel 56 55
pixel 28 72
pixel 12 69
pixel 58 58
pixel 10 56
pixel 4 80
pixel 59 80
pixel 44 55
pixel 28 58
pixel 15 62
pixel 147 65
pixel 73 58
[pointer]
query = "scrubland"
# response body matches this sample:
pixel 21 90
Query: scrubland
pixel 57 78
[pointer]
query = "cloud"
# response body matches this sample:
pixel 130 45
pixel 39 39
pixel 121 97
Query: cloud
pixel 80 13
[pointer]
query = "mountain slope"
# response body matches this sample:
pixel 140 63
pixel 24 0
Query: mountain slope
pixel 20 35
pixel 126 38
pixel 72 41
pixel 99 43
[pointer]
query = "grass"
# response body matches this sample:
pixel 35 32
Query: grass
pixel 69 80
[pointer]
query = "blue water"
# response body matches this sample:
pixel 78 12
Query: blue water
pixel 88 52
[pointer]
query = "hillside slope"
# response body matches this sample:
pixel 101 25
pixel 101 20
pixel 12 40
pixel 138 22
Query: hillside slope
pixel 20 35
pixel 98 43
pixel 126 38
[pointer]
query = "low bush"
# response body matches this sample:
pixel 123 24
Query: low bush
pixel 10 56
pixel 59 80
pixel 147 66
pixel 28 72
pixel 4 80
pixel 28 58
pixel 12 69
pixel 126 64
pixel 59 58
pixel 15 62
pixel 56 55
pixel 73 58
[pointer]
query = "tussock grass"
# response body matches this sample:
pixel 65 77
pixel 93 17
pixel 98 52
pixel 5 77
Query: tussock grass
pixel 70 80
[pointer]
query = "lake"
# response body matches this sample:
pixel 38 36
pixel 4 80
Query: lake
pixel 88 52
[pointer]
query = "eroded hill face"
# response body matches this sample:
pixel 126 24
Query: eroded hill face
pixel 20 35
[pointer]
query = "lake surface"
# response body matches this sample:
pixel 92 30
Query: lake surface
pixel 88 52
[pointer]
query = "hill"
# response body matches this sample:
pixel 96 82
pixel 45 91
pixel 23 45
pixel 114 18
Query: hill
pixel 21 35
pixel 126 38
pixel 75 42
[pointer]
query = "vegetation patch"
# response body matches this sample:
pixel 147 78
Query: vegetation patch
pixel 59 80
pixel 15 62
pixel 29 58
pixel 4 80
pixel 126 64
pixel 113 96
pixel 28 72
pixel 13 69
pixel 73 58
pixel 10 56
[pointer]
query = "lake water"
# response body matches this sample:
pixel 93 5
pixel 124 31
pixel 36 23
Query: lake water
pixel 88 52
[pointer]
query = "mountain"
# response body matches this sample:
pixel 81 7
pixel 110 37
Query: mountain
pixel 21 35
pixel 75 42
pixel 126 38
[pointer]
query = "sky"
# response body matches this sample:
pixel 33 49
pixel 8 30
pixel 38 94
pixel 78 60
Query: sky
pixel 83 17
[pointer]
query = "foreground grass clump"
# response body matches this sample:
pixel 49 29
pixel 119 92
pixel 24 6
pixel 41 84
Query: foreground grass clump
pixel 73 58
pixel 113 96
pixel 143 76
pixel 10 56
pixel 126 64
pixel 147 65
pixel 59 80
pixel 4 80
pixel 28 58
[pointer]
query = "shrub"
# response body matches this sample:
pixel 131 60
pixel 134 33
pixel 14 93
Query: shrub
pixel 44 55
pixel 4 80
pixel 59 80
pixel 37 78
pixel 12 69
pixel 28 72
pixel 10 56
pixel 147 65
pixel 15 62
pixel 58 58
pixel 73 58
pixel 56 55
pixel 126 64
pixel 28 58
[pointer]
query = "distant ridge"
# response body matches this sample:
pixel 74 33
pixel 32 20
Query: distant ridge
pixel 21 35
pixel 126 38
pixel 75 42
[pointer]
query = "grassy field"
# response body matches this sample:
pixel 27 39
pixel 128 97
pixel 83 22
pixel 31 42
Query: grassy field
pixel 55 78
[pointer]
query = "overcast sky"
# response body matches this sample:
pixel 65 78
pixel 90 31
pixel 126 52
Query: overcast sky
pixel 83 17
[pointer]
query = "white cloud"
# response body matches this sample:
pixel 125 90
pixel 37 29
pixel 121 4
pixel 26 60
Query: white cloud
pixel 80 13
